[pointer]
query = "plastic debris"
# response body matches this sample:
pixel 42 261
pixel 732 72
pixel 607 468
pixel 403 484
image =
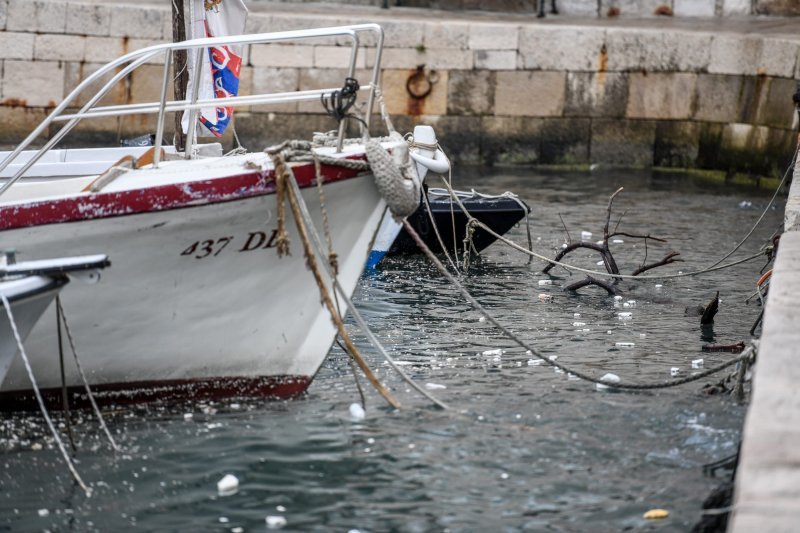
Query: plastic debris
pixel 576 315
pixel 223 520
pixel 599 263
pixel 656 514
pixel 534 362
pixel 631 303
pixel 357 412
pixel 697 363
pixel 564 245
pixel 674 371
pixel 492 352
pixel 578 324
pixel 275 522
pixel 188 416
pixel 586 235
pixel 482 319
pixel 504 475
pixel 228 485
pixel 617 298
pixel 435 386
pixel 618 241
pixel 280 508
pixel 543 282
pixel 625 344
pixel 745 204
pixel 608 378
pixel 625 315
pixel 545 298
pixel 599 242
pixel 43 512
pixel 553 357
pixel 237 529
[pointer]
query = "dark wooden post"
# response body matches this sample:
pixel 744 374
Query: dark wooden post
pixel 180 72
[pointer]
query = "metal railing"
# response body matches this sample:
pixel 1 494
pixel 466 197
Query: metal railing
pixel 133 60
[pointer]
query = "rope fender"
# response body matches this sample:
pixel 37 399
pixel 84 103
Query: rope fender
pixel 395 177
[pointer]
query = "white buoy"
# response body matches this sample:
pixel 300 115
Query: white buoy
pixel 357 412
pixel 228 485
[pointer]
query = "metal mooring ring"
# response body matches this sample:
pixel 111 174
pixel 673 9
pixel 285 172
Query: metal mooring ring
pixel 419 78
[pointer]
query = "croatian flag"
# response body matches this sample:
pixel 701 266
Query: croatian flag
pixel 219 71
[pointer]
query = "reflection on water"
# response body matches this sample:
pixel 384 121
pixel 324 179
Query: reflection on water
pixel 524 447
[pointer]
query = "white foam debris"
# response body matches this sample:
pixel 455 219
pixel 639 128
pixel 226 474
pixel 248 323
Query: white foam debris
pixel 228 485
pixel 528 352
pixel 642 335
pixel 482 319
pixel 599 263
pixel 357 412
pixel 697 363
pixel 534 362
pixel 625 344
pixel 564 245
pixel 674 371
pixel 43 512
pixel 624 315
pixel 236 406
pixel 492 352
pixel 435 386
pixel 275 522
pixel 545 298
pixel 617 298
pixel 599 242
pixel 578 324
pixel 237 529
pixel 572 377
pixel 36 446
pixel 280 508
pixel 626 304
pixel 608 378
pixel 617 241
pixel 553 357
pixel 745 204
pixel 188 416
pixel 223 520
pixel 632 303
pixel 576 315
pixel 543 282
pixel 586 235
pixel 504 475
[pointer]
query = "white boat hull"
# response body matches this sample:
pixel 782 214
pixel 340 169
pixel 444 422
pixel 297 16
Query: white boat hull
pixel 197 302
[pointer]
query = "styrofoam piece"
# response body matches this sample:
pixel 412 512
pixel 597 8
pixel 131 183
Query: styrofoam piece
pixel 697 363
pixel 357 412
pixel 674 371
pixel 625 344
pixel 229 484
pixel 543 282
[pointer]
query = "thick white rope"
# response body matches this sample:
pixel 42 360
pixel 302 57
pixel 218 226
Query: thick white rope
pixel 39 398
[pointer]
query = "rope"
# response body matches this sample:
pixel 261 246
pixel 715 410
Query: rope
pixel 436 231
pixel 85 382
pixel 339 102
pixel 39 398
pixel 624 386
pixel 333 259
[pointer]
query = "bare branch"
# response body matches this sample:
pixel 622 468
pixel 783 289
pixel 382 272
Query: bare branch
pixel 571 248
pixel 569 239
pixel 669 258
pixel 636 236
pixel 608 213
pixel 589 280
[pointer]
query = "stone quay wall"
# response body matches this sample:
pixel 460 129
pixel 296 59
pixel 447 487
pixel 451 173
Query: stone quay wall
pixel 508 90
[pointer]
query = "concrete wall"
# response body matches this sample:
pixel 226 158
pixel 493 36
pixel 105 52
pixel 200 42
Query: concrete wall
pixel 502 92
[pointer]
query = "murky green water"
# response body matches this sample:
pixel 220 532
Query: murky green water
pixel 523 448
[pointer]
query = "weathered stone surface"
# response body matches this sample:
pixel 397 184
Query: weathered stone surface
pixel 452 34
pixel 399 102
pixel 76 72
pixel 470 93
pixel 36 16
pixel 265 129
pixel 511 140
pixel 493 37
pixel 735 54
pixel 754 89
pixel 276 80
pixel 18 122
pixel 49 46
pixel 631 8
pixel 336 57
pixel 146 82
pixel 694 8
pixel 634 49
pixel 568 48
pixel 16 45
pixel 685 51
pixel 779 57
pixel 575 7
pixel 3 14
pixel 565 141
pixel 38 83
pixel 736 7
pixel 402 34
pixel 400 58
pixel 627 143
pixel 104 49
pixel 593 94
pixel 661 95
pixel 137 22
pixel 495 59
pixel 88 19
pixel 717 97
pixel 676 144
pixel 281 55
pixel 708 155
pixel 460 136
pixel 777 109
pixel 784 8
pixel 530 94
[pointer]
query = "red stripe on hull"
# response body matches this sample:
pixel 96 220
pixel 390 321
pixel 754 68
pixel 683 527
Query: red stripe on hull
pixel 160 198
pixel 142 392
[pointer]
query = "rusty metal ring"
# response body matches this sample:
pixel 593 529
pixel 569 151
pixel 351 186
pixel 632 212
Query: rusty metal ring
pixel 414 79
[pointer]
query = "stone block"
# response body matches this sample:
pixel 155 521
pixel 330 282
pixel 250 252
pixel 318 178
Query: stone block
pixel 568 48
pixel 265 129
pixel 631 8
pixel 626 143
pixel 565 141
pixel 104 49
pixel 717 98
pixel 742 148
pixel 451 34
pixel 281 55
pixel 317 78
pixel 402 34
pixel 399 101
pixel 735 54
pixel 781 8
pixel 76 72
pixel 495 59
pixel 779 57
pixel 777 109
pixel 511 140
pixel 575 7
pixel 530 94
pixel 16 45
pixel 3 14
pixel 736 7
pixel 89 19
pixel 676 144
pixel 18 122
pixel 403 58
pixel 37 83
pixel 709 141
pixel 145 84
pixel 694 8
pixel 661 95
pixel 138 22
pixel 50 47
pixel 337 57
pixel 596 94
pixel 258 23
pixel 138 44
pixel 471 93
pixel 36 16
pixel 685 51
pixel 493 37
pixel 637 49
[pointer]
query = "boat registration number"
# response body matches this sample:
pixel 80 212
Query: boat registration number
pixel 255 240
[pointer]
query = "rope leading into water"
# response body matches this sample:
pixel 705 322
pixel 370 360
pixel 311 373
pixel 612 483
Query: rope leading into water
pixel 746 355
pixel 39 398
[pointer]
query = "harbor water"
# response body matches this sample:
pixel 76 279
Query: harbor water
pixel 522 447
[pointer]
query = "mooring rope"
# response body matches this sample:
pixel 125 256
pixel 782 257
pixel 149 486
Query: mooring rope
pixel 39 398
pixel 85 381
pixel 632 386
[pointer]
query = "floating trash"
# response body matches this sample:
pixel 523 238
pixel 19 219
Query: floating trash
pixel 624 315
pixel 545 298
pixel 674 371
pixel 275 522
pixel 586 235
pixel 745 204
pixel 564 245
pixel 543 282
pixel 43 512
pixel 228 485
pixel 656 514
pixel 618 241
pixel 281 508
pixel 553 357
pixel 626 304
pixel 642 335
pixel 697 363
pixel 599 263
pixel 625 344
pixel 617 298
pixel 578 324
pixel 631 303
pixel 492 352
pixel 534 362
pixel 599 242
pixel 357 412
pixel 504 476
pixel 188 416
pixel 658 285
pixel 576 315
pixel 435 386
pixel 608 378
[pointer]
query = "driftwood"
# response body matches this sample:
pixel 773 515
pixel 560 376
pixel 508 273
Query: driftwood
pixel 710 310
pixel 605 253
